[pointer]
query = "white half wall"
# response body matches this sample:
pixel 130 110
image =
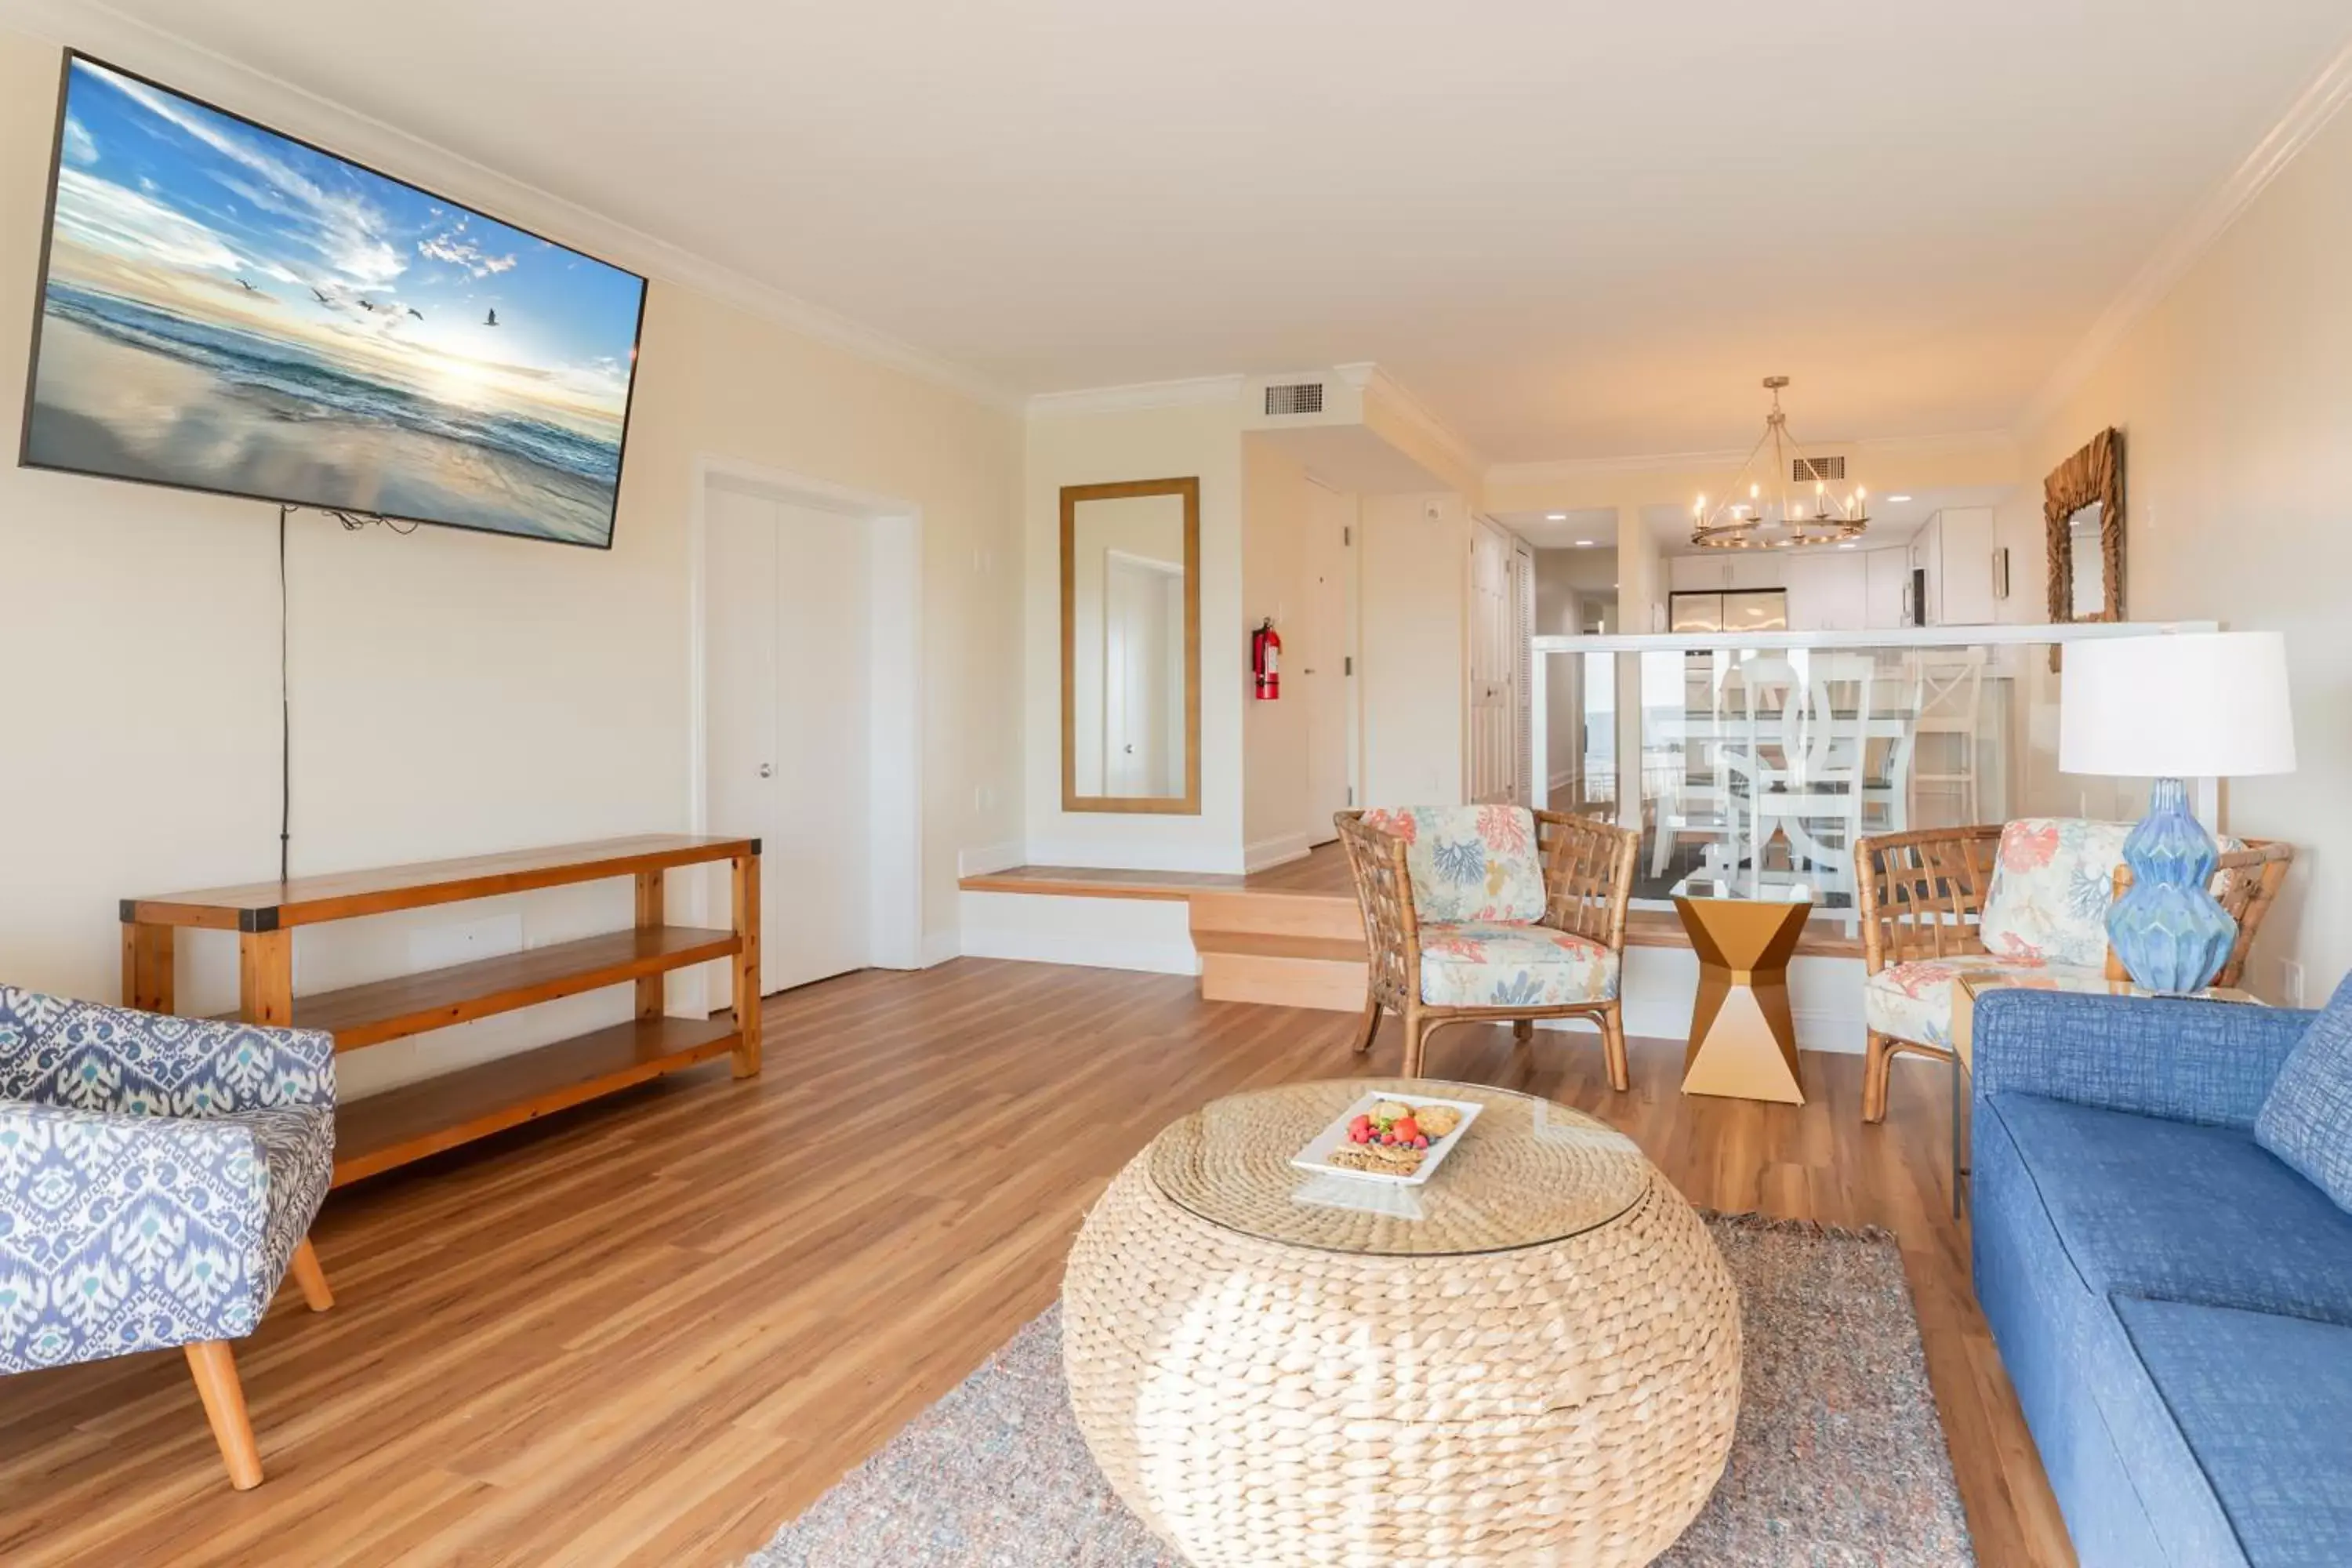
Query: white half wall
pixel 1153 935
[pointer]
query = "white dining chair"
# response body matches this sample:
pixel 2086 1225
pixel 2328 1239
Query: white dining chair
pixel 1951 693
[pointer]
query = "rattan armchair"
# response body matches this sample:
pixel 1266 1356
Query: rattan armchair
pixel 1922 898
pixel 1587 874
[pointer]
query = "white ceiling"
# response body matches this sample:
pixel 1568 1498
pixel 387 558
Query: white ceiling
pixel 1574 227
pixel 1591 527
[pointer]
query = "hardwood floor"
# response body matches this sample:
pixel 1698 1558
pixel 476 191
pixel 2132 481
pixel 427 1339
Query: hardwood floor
pixel 650 1331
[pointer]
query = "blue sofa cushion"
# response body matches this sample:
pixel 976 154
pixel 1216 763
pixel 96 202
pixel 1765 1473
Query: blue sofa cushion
pixel 2265 1402
pixel 2307 1119
pixel 2201 1214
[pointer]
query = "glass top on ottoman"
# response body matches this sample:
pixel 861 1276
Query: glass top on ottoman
pixel 1527 1173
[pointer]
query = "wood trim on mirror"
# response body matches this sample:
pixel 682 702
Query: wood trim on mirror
pixel 2093 474
pixel 1189 803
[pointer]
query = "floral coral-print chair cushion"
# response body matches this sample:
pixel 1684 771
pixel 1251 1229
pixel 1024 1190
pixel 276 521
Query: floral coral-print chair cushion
pixel 2052 885
pixel 1468 862
pixel 1913 1001
pixel 1492 963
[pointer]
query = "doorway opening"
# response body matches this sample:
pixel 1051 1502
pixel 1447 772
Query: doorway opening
pixel 806 712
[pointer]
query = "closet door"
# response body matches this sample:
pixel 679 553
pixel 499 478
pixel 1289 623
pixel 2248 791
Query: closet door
pixel 1488 768
pixel 788 643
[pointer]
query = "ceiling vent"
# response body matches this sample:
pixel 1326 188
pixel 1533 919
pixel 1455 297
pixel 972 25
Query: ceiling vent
pixel 1804 469
pixel 1293 397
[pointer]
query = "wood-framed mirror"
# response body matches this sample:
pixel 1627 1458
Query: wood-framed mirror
pixel 2083 512
pixel 1131 647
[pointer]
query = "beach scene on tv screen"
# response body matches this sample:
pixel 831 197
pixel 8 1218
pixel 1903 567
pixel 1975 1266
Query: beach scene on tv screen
pixel 228 310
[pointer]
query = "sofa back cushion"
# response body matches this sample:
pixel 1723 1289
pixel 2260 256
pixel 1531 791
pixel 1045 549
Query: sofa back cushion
pixel 2307 1120
pixel 2051 884
pixel 1469 862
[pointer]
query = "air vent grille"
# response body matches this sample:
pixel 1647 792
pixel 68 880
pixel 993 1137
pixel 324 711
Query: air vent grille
pixel 1293 397
pixel 1807 469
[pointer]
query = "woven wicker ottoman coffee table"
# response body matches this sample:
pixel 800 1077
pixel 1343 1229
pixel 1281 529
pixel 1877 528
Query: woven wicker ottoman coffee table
pixel 1532 1359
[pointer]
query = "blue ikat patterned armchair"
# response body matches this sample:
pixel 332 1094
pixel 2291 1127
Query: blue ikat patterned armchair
pixel 158 1177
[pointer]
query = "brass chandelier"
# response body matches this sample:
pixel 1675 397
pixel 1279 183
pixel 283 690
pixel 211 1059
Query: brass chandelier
pixel 1792 516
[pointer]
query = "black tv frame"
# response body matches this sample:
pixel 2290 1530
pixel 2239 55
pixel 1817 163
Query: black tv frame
pixel 41 297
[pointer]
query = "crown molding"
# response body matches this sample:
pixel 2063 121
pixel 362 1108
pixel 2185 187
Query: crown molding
pixel 1189 392
pixel 206 73
pixel 1580 468
pixel 1951 441
pixel 1374 382
pixel 1568 468
pixel 2304 119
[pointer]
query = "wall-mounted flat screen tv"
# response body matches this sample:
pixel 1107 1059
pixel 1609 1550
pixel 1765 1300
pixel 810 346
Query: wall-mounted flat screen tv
pixel 227 309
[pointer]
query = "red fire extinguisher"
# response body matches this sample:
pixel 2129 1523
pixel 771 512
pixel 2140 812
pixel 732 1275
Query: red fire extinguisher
pixel 1265 660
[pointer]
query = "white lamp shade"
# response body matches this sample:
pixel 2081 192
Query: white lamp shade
pixel 2181 705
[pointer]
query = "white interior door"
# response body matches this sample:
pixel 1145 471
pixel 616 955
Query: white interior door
pixel 788 640
pixel 1490 716
pixel 1324 660
pixel 1524 761
pixel 1143 711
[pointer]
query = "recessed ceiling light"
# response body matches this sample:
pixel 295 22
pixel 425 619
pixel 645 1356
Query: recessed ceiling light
pixel 1555 517
pixel 1847 545
pixel 1584 544
pixel 1898 497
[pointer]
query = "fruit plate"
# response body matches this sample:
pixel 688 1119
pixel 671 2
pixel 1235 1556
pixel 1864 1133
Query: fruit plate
pixel 1316 1156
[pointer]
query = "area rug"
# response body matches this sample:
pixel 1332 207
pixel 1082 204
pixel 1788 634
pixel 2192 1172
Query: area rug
pixel 1839 1458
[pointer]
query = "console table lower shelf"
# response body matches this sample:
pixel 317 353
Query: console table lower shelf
pixel 424 1118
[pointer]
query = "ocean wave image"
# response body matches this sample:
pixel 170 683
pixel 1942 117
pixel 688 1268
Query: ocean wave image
pixel 228 310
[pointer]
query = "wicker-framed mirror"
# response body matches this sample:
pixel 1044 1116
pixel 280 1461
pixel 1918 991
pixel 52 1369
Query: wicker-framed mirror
pixel 1131 647
pixel 2083 512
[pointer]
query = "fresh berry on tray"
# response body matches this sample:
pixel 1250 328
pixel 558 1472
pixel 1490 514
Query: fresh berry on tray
pixel 1391 1136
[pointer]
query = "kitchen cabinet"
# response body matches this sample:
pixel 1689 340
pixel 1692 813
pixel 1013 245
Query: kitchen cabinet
pixel 1955 553
pixel 1887 573
pixel 1718 570
pixel 1828 591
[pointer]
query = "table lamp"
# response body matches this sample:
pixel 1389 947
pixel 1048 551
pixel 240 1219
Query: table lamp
pixel 2174 707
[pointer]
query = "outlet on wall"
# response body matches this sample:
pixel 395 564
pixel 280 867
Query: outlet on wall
pixel 462 941
pixel 2290 982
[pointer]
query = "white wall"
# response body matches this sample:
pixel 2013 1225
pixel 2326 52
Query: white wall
pixel 1415 570
pixel 1275 505
pixel 2234 395
pixel 1197 440
pixel 453 693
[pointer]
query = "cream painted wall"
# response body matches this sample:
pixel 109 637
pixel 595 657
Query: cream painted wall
pixel 1414 585
pixel 1197 440
pixel 2234 395
pixel 453 692
pixel 1274 502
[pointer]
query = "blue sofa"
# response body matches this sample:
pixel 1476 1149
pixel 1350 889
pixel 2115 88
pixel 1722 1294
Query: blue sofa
pixel 2173 1304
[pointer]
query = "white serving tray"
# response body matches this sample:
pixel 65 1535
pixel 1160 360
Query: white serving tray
pixel 1313 1156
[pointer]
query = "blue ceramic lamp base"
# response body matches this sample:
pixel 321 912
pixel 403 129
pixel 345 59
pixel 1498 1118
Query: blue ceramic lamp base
pixel 2171 934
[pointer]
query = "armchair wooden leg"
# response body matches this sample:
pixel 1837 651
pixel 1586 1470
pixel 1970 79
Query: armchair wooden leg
pixel 1612 1046
pixel 224 1397
pixel 1372 1028
pixel 312 1278
pixel 1414 1028
pixel 1874 1073
pixel 1522 1030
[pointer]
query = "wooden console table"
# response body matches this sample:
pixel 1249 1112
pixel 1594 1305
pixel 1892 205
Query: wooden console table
pixel 424 1118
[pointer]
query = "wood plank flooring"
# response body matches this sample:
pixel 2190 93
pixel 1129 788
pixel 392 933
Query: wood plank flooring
pixel 649 1331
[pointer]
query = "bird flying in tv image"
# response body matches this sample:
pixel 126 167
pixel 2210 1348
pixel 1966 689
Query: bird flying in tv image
pixel 225 308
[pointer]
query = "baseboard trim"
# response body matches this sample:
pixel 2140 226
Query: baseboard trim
pixel 1134 856
pixel 1279 850
pixel 939 946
